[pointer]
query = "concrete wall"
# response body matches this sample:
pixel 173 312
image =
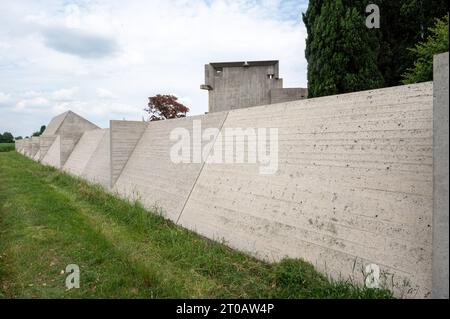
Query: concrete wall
pixel 18 145
pixel 150 175
pixel 54 124
pixel 287 95
pixel 44 144
pixel 353 187
pixel 124 137
pixel 26 146
pixel 441 177
pixel 34 146
pixel 53 155
pixel 83 151
pixel 68 127
pixel 98 168
pixel 69 124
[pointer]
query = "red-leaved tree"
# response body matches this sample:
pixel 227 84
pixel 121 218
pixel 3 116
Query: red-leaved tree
pixel 163 107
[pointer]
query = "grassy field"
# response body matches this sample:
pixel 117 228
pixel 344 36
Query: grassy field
pixel 49 220
pixel 7 147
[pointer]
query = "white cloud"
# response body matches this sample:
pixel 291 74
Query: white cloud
pixel 105 94
pixel 36 103
pixel 4 98
pixel 133 49
pixel 64 94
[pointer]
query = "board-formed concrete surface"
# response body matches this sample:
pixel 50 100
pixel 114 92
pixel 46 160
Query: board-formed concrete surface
pixel 54 124
pixel 44 144
pixel 53 155
pixel 69 127
pixel 150 175
pixel 441 176
pixel 34 146
pixel 69 124
pixel 353 187
pixel 18 145
pixel 98 168
pixel 37 156
pixel 83 151
pixel 26 147
pixel 124 137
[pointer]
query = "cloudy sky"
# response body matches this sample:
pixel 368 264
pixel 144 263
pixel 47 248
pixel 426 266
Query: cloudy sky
pixel 102 59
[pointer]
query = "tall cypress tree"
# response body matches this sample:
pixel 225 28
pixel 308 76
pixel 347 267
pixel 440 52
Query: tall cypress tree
pixel 341 53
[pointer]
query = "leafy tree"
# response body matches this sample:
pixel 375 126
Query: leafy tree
pixel 6 137
pixel 437 42
pixel 341 51
pixel 404 23
pixel 163 107
pixel 41 130
pixel 19 138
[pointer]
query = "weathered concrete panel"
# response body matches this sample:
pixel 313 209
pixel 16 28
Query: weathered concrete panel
pixel 54 124
pixel 124 138
pixel 234 86
pixel 18 145
pixel 68 143
pixel 83 151
pixel 69 127
pixel 34 146
pixel 151 176
pixel 37 156
pixel 69 124
pixel 44 144
pixel 287 95
pixel 441 176
pixel 53 155
pixel 353 187
pixel 98 168
pixel 26 147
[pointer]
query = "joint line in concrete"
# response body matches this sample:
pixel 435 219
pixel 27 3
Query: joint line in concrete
pixel 201 169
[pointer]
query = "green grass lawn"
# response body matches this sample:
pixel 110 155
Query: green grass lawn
pixel 7 147
pixel 49 220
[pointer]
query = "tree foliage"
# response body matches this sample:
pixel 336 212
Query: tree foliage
pixel 341 53
pixel 404 23
pixel 437 42
pixel 41 130
pixel 163 107
pixel 6 137
pixel 344 56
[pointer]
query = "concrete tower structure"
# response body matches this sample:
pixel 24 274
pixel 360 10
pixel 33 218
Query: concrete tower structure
pixel 235 85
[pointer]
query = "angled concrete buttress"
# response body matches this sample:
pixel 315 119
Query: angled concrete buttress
pixel 83 151
pixel 34 146
pixel 98 168
pixel 44 144
pixel 68 127
pixel 151 176
pixel 124 137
